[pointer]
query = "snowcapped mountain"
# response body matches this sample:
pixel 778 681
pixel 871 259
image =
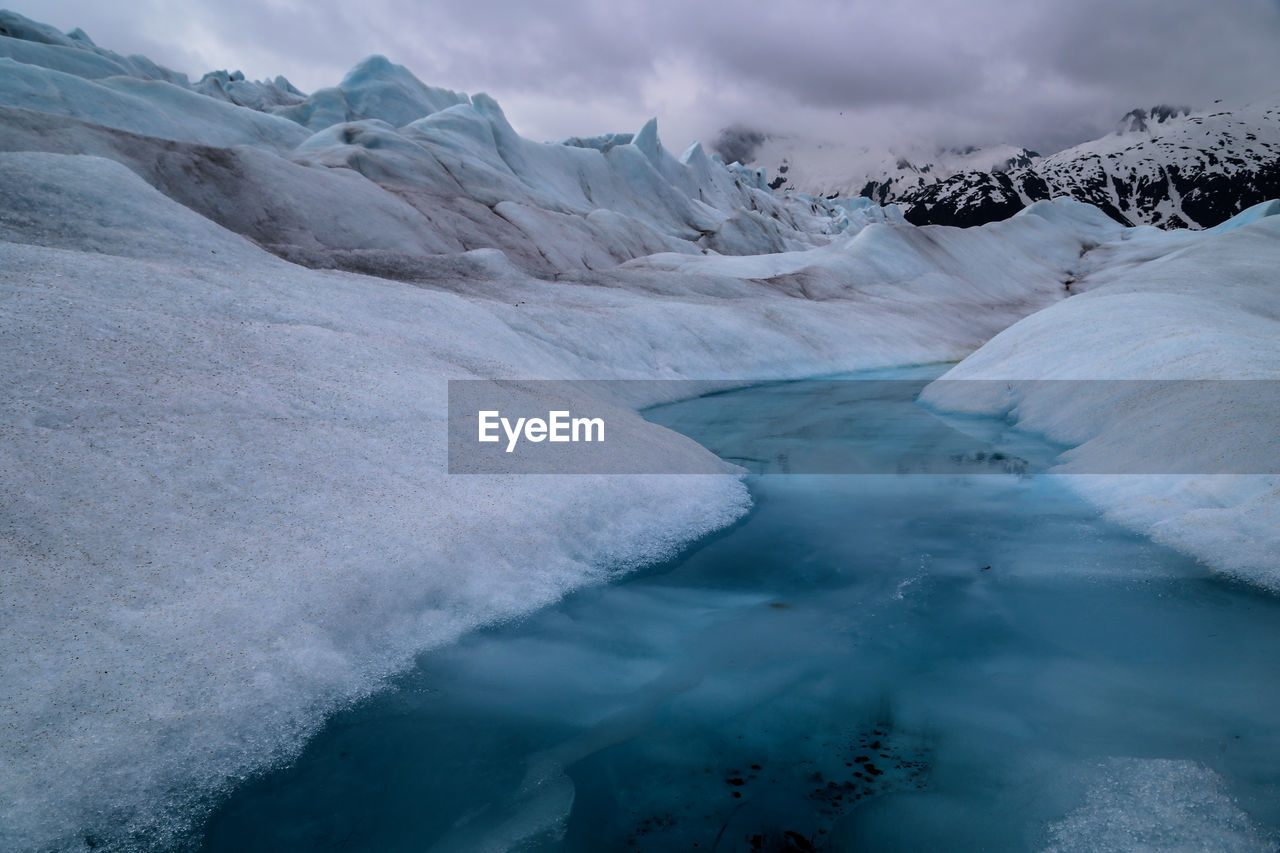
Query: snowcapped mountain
pixel 839 169
pixel 1166 166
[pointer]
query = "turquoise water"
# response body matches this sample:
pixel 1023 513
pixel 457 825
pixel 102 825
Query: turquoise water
pixel 877 662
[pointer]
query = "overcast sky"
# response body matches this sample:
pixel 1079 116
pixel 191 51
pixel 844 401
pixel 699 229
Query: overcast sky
pixel 1041 73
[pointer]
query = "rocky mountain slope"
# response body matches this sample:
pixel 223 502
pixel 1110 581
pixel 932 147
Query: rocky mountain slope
pixel 1166 167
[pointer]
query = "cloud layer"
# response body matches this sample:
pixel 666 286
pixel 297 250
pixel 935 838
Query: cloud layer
pixel 1044 74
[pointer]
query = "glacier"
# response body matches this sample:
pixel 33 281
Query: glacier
pixel 230 313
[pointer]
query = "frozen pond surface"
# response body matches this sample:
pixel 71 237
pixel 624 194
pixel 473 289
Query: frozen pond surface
pixel 973 661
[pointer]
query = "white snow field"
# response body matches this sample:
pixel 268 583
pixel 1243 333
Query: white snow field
pixel 229 313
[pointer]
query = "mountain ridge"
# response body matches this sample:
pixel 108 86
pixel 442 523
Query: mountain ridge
pixel 1189 170
pixel 1163 165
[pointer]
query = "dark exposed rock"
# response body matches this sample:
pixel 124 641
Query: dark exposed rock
pixel 1167 168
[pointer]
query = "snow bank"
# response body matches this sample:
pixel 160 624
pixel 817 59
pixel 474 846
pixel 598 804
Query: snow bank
pixel 225 502
pixel 1207 307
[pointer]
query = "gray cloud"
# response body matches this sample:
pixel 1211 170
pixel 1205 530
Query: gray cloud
pixel 1044 74
pixel 738 143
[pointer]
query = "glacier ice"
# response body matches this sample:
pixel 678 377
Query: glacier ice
pixel 33 43
pixel 229 507
pixel 375 88
pixel 230 313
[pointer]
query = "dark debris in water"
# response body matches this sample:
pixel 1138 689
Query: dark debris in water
pixel 781 807
pixel 997 462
